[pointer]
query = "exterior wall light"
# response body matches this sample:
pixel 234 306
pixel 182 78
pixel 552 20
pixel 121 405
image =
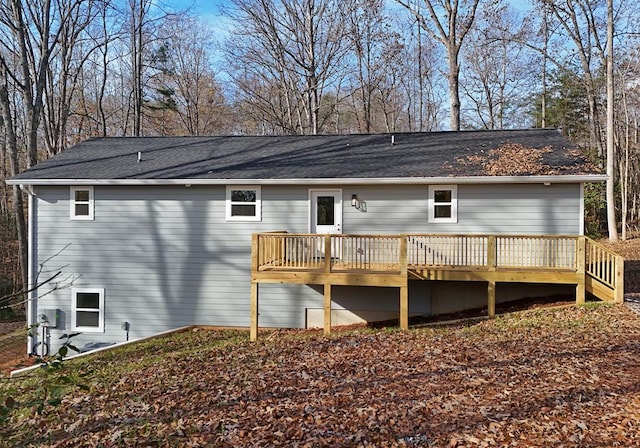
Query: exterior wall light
pixel 355 202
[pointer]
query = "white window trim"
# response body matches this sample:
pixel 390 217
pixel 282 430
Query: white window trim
pixel 258 203
pixel 454 204
pixel 74 309
pixel 72 210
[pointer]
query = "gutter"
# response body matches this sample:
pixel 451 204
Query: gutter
pixel 449 180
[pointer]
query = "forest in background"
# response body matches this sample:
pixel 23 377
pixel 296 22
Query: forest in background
pixel 75 69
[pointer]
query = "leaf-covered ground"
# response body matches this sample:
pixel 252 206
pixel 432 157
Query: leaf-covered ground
pixel 551 377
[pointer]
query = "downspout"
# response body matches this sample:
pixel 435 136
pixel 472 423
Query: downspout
pixel 32 294
pixel 581 222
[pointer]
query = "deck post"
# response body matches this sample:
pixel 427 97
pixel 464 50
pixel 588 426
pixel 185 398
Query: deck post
pixel 491 299
pixel 404 290
pixel 327 254
pixel 404 307
pixel 492 253
pixel 254 252
pixel 253 332
pixel 618 292
pixel 581 262
pixel 253 326
pixel 327 309
pixel 327 285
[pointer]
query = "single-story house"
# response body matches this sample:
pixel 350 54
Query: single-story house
pixel 155 233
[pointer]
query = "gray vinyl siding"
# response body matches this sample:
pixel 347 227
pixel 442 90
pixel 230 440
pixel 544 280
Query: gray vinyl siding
pixel 167 257
pixel 514 209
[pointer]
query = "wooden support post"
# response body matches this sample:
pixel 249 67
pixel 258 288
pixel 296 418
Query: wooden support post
pixel 618 292
pixel 404 290
pixel 404 307
pixel 253 332
pixel 254 252
pixel 327 254
pixel 253 326
pixel 491 299
pixel 491 253
pixel 580 293
pixel 327 285
pixel 404 256
pixel 327 309
pixel 581 261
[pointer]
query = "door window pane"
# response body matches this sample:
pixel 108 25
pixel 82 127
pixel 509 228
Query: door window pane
pixel 326 211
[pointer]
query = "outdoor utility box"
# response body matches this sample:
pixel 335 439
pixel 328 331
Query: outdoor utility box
pixel 49 317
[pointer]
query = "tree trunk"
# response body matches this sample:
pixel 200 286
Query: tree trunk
pixel 454 90
pixel 18 204
pixel 611 198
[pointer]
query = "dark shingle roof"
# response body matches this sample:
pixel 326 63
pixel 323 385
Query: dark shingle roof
pixel 362 156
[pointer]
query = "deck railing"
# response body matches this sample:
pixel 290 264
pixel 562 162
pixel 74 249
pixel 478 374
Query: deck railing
pixel 290 251
pixel 374 253
pixel 281 251
pixel 447 250
pixel 536 252
pixel 382 252
pixel 603 264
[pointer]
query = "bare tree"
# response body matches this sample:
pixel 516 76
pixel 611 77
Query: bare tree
pixel 583 23
pixel 366 34
pixel 138 17
pixel 499 70
pixel 189 83
pixel 286 52
pixel 29 32
pixel 64 70
pixel 449 22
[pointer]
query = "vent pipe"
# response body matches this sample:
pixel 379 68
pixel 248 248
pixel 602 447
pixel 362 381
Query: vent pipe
pixel 139 156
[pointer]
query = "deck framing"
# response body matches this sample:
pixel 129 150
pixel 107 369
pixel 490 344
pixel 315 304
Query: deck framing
pixel 394 260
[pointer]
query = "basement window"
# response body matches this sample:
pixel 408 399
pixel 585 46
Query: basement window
pixel 243 203
pixel 81 203
pixel 87 309
pixel 443 203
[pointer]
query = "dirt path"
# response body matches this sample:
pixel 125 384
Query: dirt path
pixel 13 351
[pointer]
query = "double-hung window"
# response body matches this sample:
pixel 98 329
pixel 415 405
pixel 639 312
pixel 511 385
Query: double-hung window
pixel 81 202
pixel 87 309
pixel 243 203
pixel 443 203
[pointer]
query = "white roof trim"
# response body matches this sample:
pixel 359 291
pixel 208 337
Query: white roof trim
pixel 571 178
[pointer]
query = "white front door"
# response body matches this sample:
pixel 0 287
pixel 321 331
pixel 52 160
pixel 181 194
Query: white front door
pixel 326 211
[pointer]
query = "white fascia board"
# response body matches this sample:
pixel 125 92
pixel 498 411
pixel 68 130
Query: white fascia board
pixel 576 178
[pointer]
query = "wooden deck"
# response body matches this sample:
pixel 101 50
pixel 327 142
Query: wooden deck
pixel 393 260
